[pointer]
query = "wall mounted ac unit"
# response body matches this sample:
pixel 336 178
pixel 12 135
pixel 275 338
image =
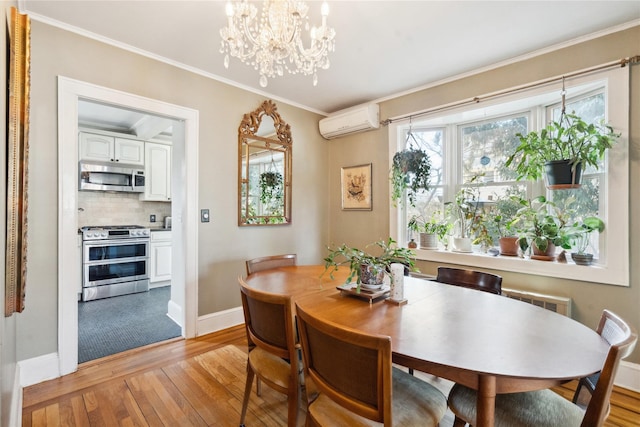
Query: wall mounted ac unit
pixel 354 120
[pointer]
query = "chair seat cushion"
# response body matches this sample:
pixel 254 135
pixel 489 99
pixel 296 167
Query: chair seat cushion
pixel 542 408
pixel 415 403
pixel 270 368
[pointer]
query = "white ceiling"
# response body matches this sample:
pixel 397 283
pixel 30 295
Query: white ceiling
pixel 383 48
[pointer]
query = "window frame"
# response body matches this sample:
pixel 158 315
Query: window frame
pixel 614 270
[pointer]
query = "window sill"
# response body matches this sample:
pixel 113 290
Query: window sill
pixel 596 273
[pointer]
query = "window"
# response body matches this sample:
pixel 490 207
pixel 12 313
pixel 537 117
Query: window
pixel 470 142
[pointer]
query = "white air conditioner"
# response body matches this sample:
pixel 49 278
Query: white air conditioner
pixel 354 120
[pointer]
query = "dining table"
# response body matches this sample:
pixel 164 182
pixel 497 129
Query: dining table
pixel 488 342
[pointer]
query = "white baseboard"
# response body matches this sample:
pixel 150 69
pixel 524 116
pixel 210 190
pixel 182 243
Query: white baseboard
pixel 221 320
pixel 628 376
pixel 39 369
pixel 15 411
pixel 174 311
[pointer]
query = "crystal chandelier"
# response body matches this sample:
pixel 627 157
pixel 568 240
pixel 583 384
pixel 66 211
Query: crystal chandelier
pixel 274 42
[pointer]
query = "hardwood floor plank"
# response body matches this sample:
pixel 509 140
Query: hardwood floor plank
pixel 53 415
pixel 165 400
pixel 208 397
pixel 78 416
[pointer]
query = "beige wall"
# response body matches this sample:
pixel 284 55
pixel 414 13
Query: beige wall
pixel 589 299
pixel 223 246
pixel 8 329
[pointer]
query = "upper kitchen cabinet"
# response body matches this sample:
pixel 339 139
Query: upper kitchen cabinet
pixel 158 172
pixel 107 148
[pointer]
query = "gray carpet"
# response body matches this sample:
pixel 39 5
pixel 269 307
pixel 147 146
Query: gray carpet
pixel 116 324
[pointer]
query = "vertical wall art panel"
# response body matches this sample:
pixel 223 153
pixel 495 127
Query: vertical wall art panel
pixel 17 161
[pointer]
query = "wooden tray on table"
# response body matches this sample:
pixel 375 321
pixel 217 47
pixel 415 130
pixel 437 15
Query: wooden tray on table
pixel 371 295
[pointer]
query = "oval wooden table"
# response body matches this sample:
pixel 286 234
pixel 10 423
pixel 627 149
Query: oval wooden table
pixel 488 342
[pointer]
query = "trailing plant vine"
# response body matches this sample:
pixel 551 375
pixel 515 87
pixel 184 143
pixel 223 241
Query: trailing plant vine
pixel 410 171
pixel 271 188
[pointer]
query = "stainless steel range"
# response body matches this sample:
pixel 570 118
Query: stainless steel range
pixel 115 261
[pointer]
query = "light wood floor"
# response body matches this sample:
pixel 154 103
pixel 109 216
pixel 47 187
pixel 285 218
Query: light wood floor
pixel 197 382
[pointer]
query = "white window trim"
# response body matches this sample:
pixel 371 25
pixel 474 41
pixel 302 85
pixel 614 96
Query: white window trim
pixel 615 269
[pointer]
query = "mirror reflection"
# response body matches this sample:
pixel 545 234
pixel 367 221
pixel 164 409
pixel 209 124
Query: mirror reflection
pixel 264 181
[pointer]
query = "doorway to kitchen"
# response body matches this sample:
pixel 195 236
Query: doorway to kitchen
pixel 182 306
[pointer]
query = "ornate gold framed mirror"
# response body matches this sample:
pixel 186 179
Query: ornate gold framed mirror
pixel 264 168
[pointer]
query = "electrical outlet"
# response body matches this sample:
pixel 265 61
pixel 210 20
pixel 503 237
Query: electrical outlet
pixel 152 218
pixel 204 215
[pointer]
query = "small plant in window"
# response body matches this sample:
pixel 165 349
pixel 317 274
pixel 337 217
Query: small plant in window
pixel 543 227
pixel 580 233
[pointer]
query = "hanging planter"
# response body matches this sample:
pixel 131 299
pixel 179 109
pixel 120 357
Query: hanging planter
pixel 271 187
pixel 561 174
pixel 410 172
pixel 568 142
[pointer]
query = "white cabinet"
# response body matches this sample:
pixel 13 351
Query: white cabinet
pixel 129 151
pixel 160 258
pixel 157 170
pixel 107 148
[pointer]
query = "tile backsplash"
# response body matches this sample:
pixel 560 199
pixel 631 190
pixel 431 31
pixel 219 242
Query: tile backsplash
pixel 103 208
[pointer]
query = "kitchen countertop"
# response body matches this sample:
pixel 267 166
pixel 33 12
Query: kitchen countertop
pixel 159 228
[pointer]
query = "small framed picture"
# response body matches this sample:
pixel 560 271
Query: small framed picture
pixel 356 188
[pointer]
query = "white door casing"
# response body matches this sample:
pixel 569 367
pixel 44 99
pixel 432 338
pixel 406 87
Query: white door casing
pixel 184 213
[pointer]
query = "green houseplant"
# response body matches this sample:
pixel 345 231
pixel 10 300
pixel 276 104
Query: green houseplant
pixel 368 268
pixel 271 188
pixel 505 211
pixel 543 228
pixel 569 141
pixel 463 212
pixel 431 231
pixel 581 237
pixel 410 171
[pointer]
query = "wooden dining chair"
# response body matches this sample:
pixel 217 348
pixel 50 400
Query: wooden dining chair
pixel 586 383
pixel 589 382
pixel 545 408
pixel 478 280
pixel 269 262
pixel 273 356
pixel 356 383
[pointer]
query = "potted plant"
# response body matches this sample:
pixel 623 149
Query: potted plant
pixel 410 171
pixel 565 146
pixel 463 212
pixel 581 237
pixel 543 227
pixel 368 269
pixel 430 231
pixel 503 220
pixel 481 231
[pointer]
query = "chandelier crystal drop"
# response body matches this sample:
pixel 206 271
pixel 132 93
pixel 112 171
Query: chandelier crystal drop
pixel 273 42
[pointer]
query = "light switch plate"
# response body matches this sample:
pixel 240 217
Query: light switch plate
pixel 204 215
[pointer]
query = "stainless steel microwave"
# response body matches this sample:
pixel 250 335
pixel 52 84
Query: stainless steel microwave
pixel 105 176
